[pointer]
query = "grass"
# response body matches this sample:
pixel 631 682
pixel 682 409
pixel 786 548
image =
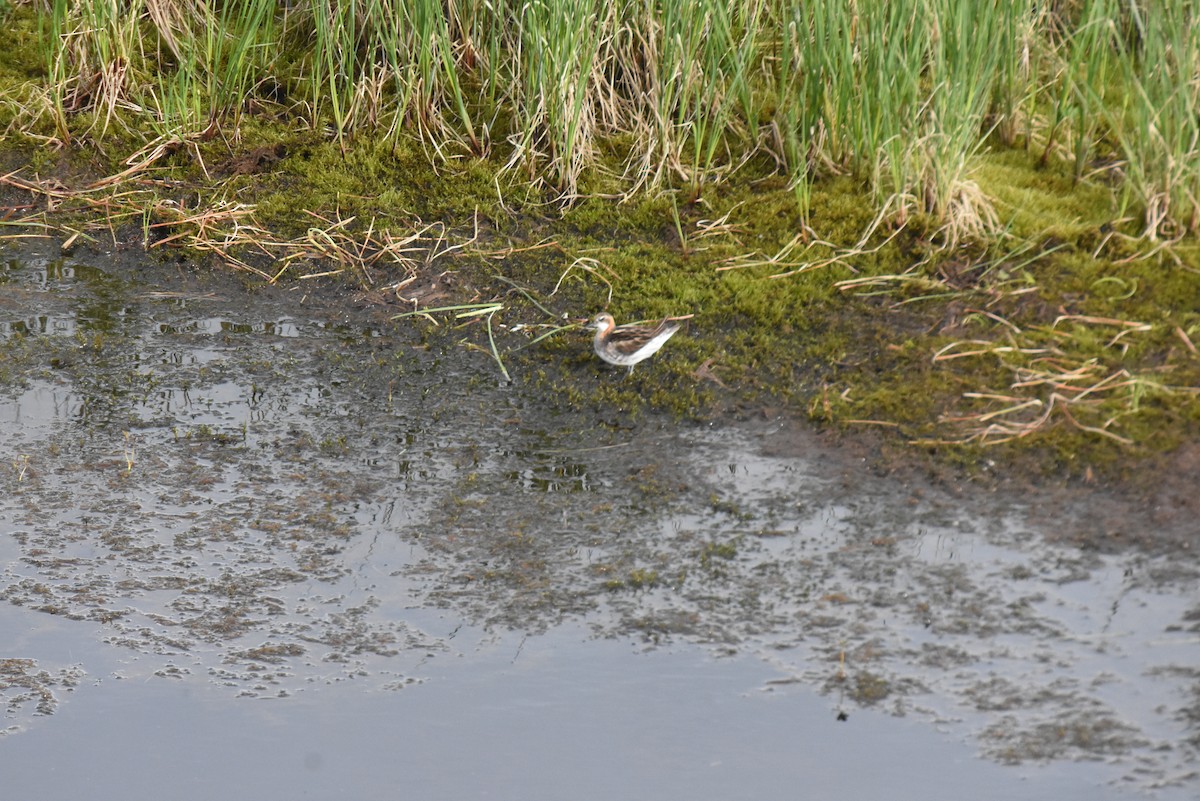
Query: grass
pixel 903 95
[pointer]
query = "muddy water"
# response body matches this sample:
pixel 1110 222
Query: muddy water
pixel 265 544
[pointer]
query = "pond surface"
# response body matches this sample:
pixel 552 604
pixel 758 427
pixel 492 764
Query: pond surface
pixel 274 544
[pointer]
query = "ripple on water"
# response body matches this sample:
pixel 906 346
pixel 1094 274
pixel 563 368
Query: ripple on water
pixel 228 498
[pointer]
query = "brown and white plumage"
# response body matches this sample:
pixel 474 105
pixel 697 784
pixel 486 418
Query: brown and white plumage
pixel 626 345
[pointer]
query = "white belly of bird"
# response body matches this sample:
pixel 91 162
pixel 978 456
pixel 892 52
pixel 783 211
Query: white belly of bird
pixel 652 346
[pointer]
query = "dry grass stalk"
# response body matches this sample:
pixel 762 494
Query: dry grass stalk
pixel 1049 388
pixel 230 231
pixel 591 267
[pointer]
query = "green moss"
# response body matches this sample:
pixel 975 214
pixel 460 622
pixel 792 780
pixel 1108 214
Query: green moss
pixel 21 56
pixel 390 182
pixel 1036 202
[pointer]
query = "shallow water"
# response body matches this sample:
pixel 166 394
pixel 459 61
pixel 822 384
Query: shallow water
pixel 336 557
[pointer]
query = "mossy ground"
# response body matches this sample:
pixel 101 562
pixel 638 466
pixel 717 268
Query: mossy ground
pixel 1067 315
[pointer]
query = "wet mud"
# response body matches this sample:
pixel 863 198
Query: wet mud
pixel 277 493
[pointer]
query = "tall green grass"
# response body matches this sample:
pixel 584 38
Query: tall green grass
pixel 555 51
pixel 1080 69
pixel 902 94
pixel 94 51
pixel 1157 126
pixel 898 93
pixel 209 61
pixel 687 69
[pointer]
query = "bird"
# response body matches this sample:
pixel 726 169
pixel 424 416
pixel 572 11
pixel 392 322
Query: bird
pixel 626 345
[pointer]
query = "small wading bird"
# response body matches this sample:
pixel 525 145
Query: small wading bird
pixel 626 345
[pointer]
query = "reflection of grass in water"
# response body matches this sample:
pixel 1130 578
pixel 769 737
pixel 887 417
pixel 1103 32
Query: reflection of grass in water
pixel 869 688
pixel 130 453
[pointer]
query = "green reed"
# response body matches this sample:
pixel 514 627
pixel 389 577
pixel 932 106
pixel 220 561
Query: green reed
pixel 429 57
pixel 184 66
pixel 557 43
pixel 208 64
pixel 94 48
pixel 1079 63
pixel 903 94
pixel 1157 125
pixel 383 64
pixel 1015 95
pixel 334 70
pixel 694 97
pixel 966 67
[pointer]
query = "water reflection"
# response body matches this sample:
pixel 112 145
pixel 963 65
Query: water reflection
pixel 230 499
